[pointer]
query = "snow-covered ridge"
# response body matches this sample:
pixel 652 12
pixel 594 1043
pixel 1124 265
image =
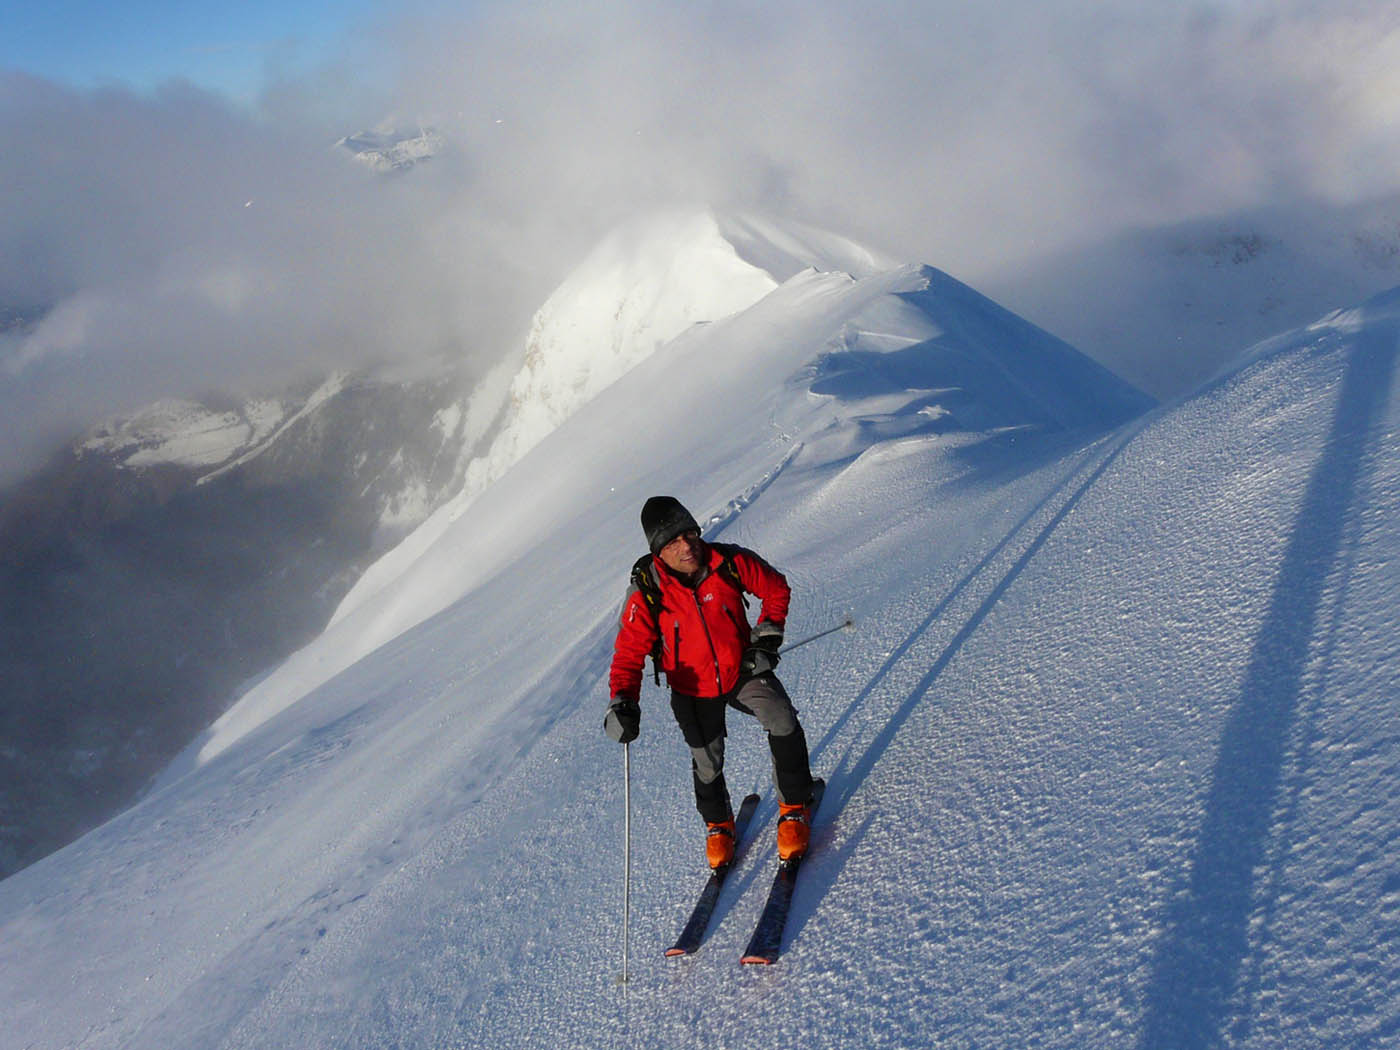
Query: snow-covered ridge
pixel 643 285
pixel 905 353
pixel 185 433
pixel 784 249
pixel 646 283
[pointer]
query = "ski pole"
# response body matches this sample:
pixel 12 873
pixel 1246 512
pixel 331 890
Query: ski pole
pixel 844 625
pixel 626 852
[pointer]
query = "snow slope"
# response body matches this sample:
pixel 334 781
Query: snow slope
pixel 643 285
pixel 920 352
pixel 1111 758
pixel 647 282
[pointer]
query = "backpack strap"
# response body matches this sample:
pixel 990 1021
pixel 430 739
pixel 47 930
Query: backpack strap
pixel 729 570
pixel 645 583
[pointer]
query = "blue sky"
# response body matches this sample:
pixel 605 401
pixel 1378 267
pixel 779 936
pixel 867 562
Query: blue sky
pixel 226 45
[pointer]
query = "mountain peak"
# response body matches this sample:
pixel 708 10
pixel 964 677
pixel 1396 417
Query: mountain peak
pixel 643 284
pixel 390 148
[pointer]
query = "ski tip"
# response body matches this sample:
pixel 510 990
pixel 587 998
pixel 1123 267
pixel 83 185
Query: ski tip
pixel 672 953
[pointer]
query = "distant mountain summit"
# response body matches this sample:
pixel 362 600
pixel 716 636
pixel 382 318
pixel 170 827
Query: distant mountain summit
pixel 388 148
pixel 1168 306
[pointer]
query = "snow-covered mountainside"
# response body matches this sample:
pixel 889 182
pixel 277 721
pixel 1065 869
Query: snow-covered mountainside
pixel 298 490
pixel 643 285
pixel 186 433
pixel 184 549
pixel 401 444
pixel 1111 756
pixel 919 351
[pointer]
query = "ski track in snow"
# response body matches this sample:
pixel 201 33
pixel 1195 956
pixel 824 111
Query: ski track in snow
pixel 1110 761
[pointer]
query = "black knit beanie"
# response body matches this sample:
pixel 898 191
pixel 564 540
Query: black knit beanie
pixel 663 519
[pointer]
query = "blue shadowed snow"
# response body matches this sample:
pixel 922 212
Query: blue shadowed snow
pixel 1202 992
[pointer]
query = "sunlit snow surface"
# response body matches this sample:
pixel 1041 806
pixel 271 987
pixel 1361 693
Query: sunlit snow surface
pixel 1112 755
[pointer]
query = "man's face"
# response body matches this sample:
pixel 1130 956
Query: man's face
pixel 684 554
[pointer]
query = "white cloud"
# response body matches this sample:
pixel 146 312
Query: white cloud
pixel 201 244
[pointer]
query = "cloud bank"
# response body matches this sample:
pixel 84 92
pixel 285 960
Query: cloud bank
pixel 174 242
pixel 929 125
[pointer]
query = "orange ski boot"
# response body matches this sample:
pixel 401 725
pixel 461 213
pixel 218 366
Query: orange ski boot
pixel 794 830
pixel 719 844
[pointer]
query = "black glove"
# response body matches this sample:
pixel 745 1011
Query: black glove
pixel 623 721
pixel 762 654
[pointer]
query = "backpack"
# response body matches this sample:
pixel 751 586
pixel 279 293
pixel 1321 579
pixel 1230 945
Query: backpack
pixel 645 582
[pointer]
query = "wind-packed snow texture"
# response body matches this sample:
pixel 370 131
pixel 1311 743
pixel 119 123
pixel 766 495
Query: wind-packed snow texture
pixel 1111 756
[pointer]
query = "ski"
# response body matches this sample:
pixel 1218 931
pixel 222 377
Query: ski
pixel 767 941
pixel 694 932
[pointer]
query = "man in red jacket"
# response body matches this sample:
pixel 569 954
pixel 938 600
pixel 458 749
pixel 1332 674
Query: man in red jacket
pixel 686 609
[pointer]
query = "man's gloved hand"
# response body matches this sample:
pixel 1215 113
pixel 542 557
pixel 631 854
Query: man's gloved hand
pixel 624 720
pixel 762 654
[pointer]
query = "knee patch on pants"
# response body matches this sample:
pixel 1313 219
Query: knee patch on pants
pixel 708 761
pixel 765 698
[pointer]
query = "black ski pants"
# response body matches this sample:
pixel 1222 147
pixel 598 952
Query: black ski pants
pixel 702 723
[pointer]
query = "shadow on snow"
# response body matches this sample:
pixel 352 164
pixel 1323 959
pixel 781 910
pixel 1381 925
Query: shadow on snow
pixel 1195 983
pixel 849 775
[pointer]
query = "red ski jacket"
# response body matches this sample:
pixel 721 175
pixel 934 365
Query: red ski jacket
pixel 703 630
